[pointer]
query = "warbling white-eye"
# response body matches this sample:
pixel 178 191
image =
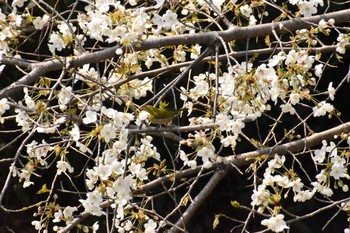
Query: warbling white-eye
pixel 161 115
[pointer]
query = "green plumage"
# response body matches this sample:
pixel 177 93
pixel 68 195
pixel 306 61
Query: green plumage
pixel 161 115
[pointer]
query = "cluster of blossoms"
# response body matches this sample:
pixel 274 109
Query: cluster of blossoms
pixel 269 192
pixel 336 168
pixel 246 92
pixel 342 39
pixel 4 106
pixel 284 75
pixel 278 181
pixel 307 7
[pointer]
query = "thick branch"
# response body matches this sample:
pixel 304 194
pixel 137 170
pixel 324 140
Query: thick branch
pixel 81 217
pixel 235 161
pixel 291 147
pixel 249 157
pixel 39 69
pixel 283 26
pixel 200 198
pixel 208 38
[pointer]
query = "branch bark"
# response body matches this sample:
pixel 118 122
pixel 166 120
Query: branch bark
pixel 229 162
pixel 199 199
pixel 249 157
pixel 208 38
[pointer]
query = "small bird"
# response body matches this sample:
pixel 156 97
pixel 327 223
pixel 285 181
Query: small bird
pixel 161 115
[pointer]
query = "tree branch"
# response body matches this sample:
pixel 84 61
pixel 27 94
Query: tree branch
pixel 199 199
pixel 249 157
pixel 208 38
pixel 228 162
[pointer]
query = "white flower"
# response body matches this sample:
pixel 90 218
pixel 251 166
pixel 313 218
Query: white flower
pixel 75 132
pixel 337 171
pixel 63 166
pixel 28 100
pixel 303 196
pixel 68 211
pixel 318 70
pixel 277 161
pixel 94 198
pixel 91 204
pixel 56 43
pixel 143 115
pixel 95 227
pixel 39 22
pixel 331 21
pixel 58 216
pixel 103 171
pixel 230 141
pixel 64 97
pixel 206 154
pixel 294 98
pixel 342 39
pixel 282 181
pixel 138 171
pixel 305 61
pixel 260 197
pixel 322 189
pixel 252 20
pixel 2 66
pixel 292 57
pixel 60 120
pixel 90 117
pixel 18 3
pixel 132 2
pixel 169 19
pixel 246 10
pixel 159 3
pixel 293 2
pixel 83 148
pixel 276 59
pixel 122 119
pixel 22 120
pixel 322 24
pixel 224 122
pixel 307 8
pixel 3 106
pixel 340 49
pixel 108 132
pixel 322 108
pixel 150 226
pixel 158 21
pixel 195 51
pixel 320 154
pixel 332 149
pixel 296 185
pixel 331 91
pixel 237 126
pixel 38 225
pixel 275 223
pixel 317 2
pixel 287 108
pixel 322 176
pixel 38 151
pixel 207 164
pixel 46 129
pixel 119 51
pixel 109 112
pixel 192 164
